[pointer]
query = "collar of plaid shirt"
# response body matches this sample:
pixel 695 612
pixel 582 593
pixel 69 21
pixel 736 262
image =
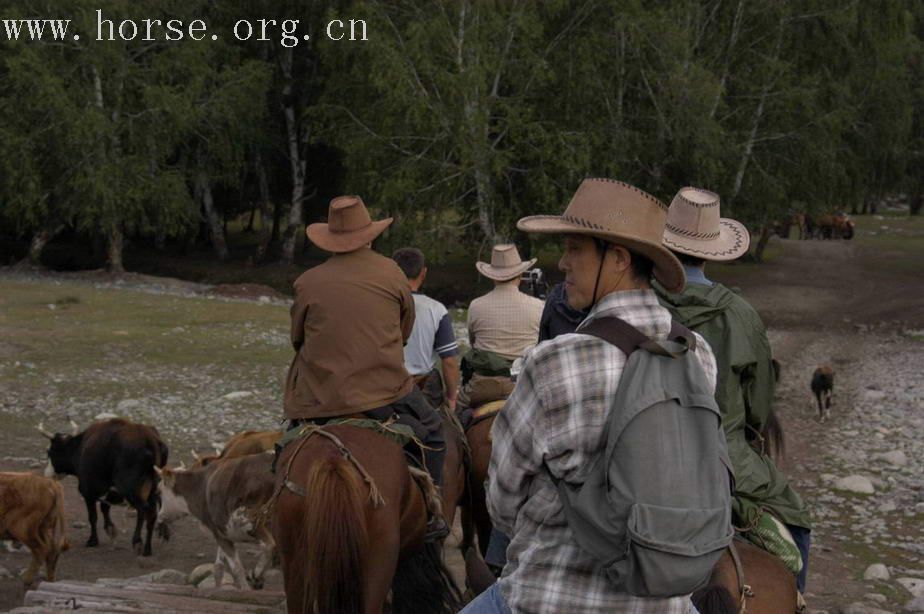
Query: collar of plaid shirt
pixel 554 422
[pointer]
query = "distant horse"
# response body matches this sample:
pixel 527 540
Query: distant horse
pixel 350 522
pixel 758 583
pixel 823 388
pixel 478 521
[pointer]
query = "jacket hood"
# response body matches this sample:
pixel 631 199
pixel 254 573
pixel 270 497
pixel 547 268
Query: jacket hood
pixel 697 303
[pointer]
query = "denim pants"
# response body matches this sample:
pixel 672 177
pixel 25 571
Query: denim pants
pixel 489 602
pixel 496 555
pixel 803 539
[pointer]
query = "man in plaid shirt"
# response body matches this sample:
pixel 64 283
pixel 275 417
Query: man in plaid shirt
pixel 553 423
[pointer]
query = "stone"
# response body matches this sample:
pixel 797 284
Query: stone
pixel 873 395
pixel 164 576
pixel 895 457
pixel 106 415
pixel 855 483
pixel 876 598
pixel 200 573
pixel 5 573
pixel 915 605
pixel 209 582
pixel 240 394
pixel 862 608
pixel 915 586
pixel 127 405
pixel 876 571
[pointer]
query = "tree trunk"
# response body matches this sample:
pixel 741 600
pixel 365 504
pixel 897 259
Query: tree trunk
pixel 215 225
pixel 917 203
pixel 40 239
pixel 732 39
pixel 755 125
pixel 115 241
pixel 266 213
pixel 765 232
pixel 294 218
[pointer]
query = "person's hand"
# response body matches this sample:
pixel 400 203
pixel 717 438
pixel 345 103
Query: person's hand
pixel 451 403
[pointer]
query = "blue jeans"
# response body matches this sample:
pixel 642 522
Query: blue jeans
pixel 496 554
pixel 489 602
pixel 803 539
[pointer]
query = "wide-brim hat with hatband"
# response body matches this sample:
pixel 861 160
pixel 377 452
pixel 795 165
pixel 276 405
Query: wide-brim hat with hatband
pixel 619 213
pixel 505 263
pixel 694 228
pixel 348 226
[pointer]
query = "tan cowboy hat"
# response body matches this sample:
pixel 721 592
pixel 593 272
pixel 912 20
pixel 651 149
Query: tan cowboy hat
pixel 505 263
pixel 694 227
pixel 618 213
pixel 348 226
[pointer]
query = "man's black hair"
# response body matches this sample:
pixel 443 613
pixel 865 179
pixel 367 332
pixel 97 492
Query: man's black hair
pixel 410 260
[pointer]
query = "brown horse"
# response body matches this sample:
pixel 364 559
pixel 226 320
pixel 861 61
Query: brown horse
pixel 761 585
pixel 476 520
pixel 350 523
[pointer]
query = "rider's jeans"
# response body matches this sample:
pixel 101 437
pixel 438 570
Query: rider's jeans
pixel 489 602
pixel 496 555
pixel 803 539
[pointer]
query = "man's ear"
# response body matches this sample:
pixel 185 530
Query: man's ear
pixel 621 257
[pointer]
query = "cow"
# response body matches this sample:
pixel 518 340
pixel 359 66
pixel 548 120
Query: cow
pixel 823 389
pixel 32 513
pixel 114 461
pixel 241 444
pixel 227 496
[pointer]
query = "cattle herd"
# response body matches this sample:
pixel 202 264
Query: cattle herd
pixel 836 225
pixel 117 461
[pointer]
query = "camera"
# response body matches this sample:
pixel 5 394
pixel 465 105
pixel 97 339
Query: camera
pixel 534 280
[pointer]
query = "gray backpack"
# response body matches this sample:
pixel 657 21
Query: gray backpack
pixel 655 508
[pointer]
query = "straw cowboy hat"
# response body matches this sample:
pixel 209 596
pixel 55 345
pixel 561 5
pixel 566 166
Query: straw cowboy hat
pixel 348 226
pixel 618 213
pixel 505 263
pixel 694 227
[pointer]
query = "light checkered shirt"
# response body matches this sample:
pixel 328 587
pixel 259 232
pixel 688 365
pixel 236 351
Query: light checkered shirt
pixel 504 321
pixel 554 422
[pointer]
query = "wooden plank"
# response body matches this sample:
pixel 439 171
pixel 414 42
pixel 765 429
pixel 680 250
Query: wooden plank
pixel 261 597
pixel 93 595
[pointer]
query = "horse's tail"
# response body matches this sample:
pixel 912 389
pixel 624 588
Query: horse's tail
pixel 714 599
pixel 335 538
pixel 773 436
pixel 60 526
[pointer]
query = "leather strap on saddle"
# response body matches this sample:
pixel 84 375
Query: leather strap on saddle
pixel 628 338
pixel 744 591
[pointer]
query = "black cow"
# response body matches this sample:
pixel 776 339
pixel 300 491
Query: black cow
pixel 114 461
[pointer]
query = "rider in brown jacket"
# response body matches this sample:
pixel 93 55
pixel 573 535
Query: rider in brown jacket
pixel 351 318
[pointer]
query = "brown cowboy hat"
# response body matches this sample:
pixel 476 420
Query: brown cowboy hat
pixel 348 226
pixel 694 227
pixel 505 263
pixel 619 213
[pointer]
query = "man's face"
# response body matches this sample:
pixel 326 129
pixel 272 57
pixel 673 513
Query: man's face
pixel 579 262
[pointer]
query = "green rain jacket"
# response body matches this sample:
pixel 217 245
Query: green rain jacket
pixel 744 392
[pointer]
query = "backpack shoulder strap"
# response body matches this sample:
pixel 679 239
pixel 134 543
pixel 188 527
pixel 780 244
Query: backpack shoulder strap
pixel 627 338
pixel 616 332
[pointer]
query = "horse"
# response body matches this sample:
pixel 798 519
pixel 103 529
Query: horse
pixel 823 388
pixel 350 522
pixel 748 579
pixel 476 520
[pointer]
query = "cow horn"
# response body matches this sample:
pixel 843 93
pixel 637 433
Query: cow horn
pixel 182 465
pixel 41 429
pixel 195 455
pixel 218 447
pixel 74 428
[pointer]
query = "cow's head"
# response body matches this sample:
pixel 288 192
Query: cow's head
pixel 62 452
pixel 172 505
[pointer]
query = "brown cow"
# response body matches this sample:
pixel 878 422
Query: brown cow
pixel 227 497
pixel 32 513
pixel 242 444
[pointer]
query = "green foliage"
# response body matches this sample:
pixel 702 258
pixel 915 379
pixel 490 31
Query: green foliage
pixel 459 117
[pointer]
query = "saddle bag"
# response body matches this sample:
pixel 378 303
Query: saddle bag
pixel 655 508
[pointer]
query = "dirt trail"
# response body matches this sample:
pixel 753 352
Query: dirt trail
pixel 825 303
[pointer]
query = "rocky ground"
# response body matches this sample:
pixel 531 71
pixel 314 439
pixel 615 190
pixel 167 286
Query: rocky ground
pixel 201 365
